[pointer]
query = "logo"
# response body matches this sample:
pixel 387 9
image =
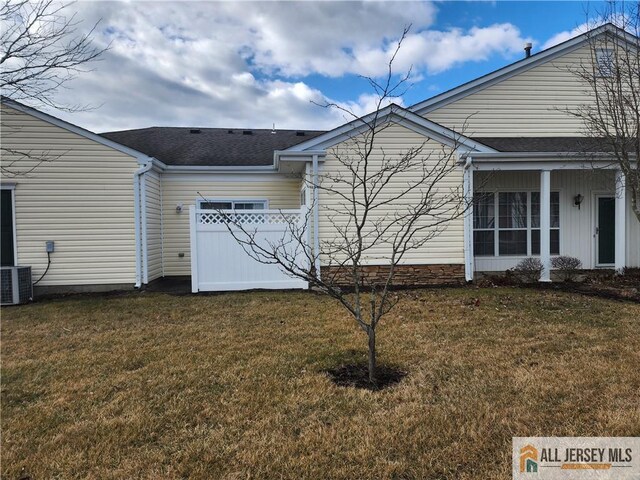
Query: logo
pixel 528 459
pixel 576 458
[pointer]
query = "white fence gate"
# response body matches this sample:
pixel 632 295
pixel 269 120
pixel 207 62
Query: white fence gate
pixel 219 262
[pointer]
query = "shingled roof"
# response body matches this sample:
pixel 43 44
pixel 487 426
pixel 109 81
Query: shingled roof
pixel 210 146
pixel 233 147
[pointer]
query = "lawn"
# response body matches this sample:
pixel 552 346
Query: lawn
pixel 234 386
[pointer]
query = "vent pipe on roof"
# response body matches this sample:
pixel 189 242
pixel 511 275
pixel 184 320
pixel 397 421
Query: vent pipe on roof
pixel 527 49
pixel 273 130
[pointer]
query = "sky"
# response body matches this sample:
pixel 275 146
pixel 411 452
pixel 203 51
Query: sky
pixel 253 65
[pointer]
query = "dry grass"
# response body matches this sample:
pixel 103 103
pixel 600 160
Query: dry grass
pixel 232 386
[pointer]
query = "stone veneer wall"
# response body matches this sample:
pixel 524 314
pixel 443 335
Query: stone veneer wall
pixel 405 276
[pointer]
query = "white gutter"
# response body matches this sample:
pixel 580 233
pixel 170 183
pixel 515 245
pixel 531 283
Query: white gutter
pixel 516 156
pixel 139 218
pixel 219 169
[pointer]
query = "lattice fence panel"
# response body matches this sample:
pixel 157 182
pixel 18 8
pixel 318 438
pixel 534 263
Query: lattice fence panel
pixel 248 218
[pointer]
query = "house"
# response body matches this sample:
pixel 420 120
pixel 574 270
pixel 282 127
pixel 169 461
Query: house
pixel 116 205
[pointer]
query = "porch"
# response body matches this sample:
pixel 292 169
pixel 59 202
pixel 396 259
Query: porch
pixel 542 208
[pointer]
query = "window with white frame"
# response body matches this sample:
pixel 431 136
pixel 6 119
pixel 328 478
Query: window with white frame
pixel 232 204
pixel 508 223
pixel 604 62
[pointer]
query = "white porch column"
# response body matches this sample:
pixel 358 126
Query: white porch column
pixel 468 220
pixel 621 219
pixel 316 216
pixel 545 225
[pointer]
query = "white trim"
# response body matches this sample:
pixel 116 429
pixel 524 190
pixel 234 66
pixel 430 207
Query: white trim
pixel 468 220
pixel 143 210
pixel 137 216
pixel 221 169
pixel 141 157
pixel 12 187
pixel 398 115
pixel 316 216
pixel 474 86
pixel 194 249
pixel 540 164
pixel 545 225
pixel 621 221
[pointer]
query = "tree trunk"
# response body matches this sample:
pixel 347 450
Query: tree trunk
pixel 372 355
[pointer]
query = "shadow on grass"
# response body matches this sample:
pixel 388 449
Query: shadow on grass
pixel 356 375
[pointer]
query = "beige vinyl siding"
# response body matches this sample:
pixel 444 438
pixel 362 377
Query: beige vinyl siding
pixel 577 225
pixel 185 188
pixel 82 199
pixel 528 104
pixel 396 140
pixel 153 209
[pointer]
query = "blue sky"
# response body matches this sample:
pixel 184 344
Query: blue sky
pixel 253 64
pixel 540 20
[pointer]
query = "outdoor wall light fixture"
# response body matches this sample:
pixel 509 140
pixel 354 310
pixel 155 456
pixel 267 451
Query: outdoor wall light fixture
pixel 179 208
pixel 577 200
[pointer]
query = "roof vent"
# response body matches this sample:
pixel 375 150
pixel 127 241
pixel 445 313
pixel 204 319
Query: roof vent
pixel 194 130
pixel 247 132
pixel 527 49
pixel 299 134
pixel 230 132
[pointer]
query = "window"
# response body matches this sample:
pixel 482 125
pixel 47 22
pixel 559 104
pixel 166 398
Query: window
pixel 517 230
pixel 233 204
pixel 555 223
pixel 604 62
pixel 512 228
pixel 484 225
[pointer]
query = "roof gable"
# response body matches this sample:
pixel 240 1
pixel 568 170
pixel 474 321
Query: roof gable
pixel 397 114
pixel 497 76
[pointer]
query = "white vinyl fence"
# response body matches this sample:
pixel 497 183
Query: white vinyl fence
pixel 219 262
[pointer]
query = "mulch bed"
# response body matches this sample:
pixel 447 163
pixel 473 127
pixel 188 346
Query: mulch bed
pixel 604 284
pixel 357 376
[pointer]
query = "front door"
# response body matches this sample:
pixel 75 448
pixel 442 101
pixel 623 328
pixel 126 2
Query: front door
pixel 6 228
pixel 606 231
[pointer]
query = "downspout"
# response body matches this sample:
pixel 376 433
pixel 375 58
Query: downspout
pixel 316 217
pixel 137 218
pixel 468 219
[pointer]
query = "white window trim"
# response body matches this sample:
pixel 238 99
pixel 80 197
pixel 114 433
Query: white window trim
pixel 496 229
pixel 12 187
pixel 233 201
pixel 609 53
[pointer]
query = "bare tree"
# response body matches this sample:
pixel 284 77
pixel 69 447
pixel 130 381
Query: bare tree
pixel 377 208
pixel 41 50
pixel 612 78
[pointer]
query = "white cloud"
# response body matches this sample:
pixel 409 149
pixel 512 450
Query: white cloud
pixel 619 19
pixel 566 35
pixel 241 64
